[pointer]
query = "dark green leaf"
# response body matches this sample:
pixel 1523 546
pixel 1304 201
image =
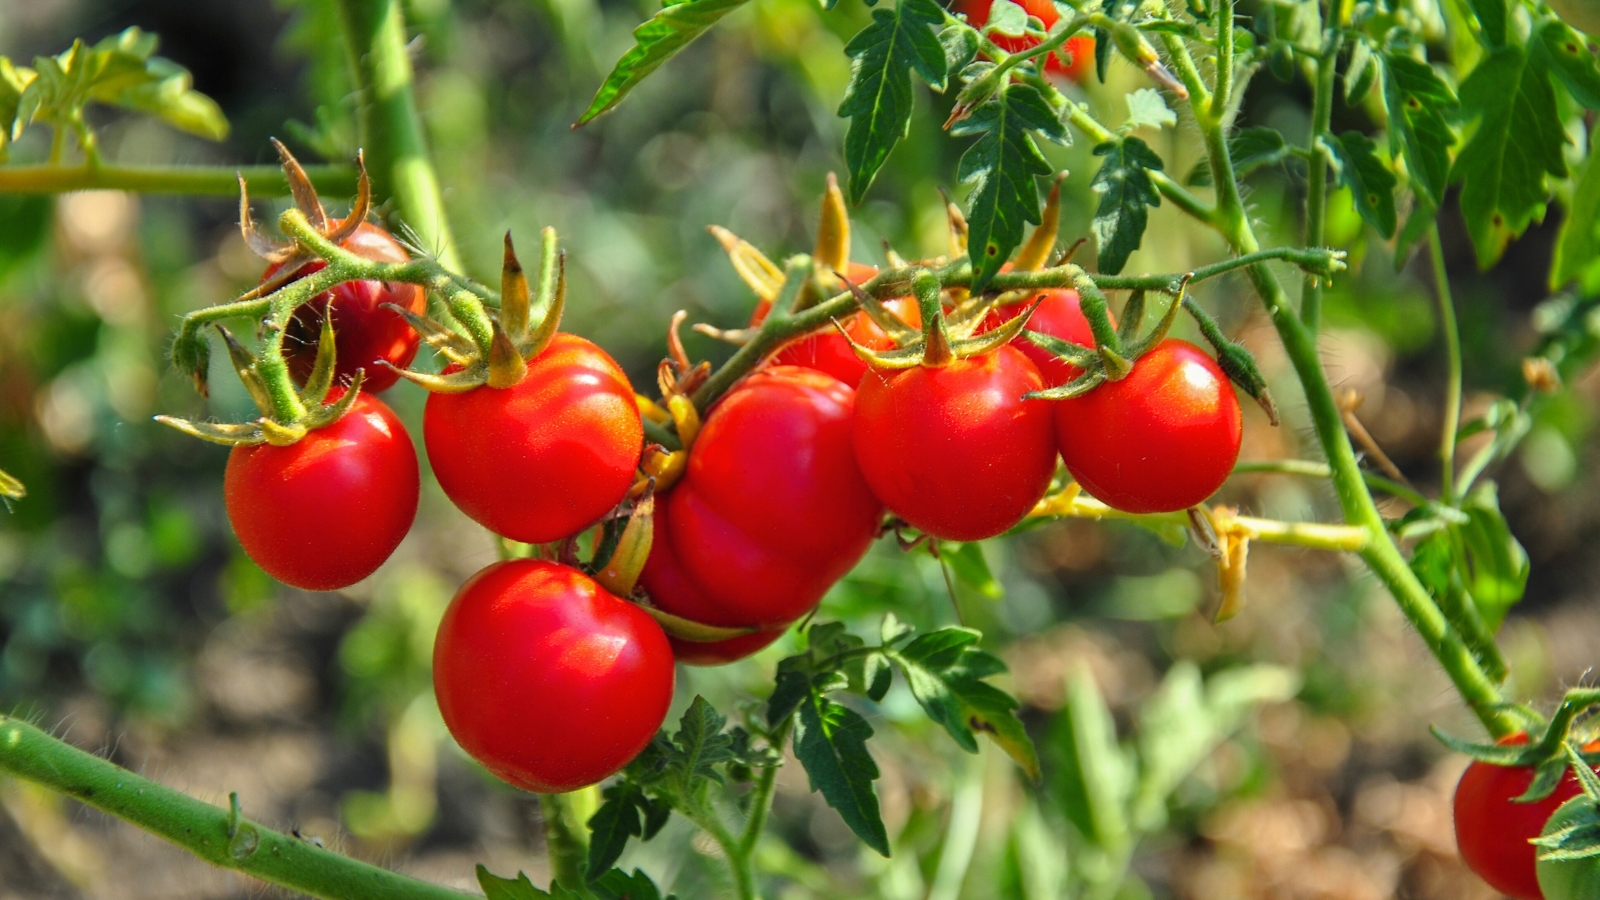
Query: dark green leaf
pixel 1498 566
pixel 657 40
pixel 1517 144
pixel 830 741
pixel 701 743
pixel 1368 178
pixel 613 823
pixel 1102 53
pixel 1568 56
pixel 1419 103
pixel 619 885
pixel 1002 167
pixel 1125 189
pixel 1249 149
pixel 1492 16
pixel 790 690
pixel 877 675
pixel 945 671
pixel 878 100
pixel 520 888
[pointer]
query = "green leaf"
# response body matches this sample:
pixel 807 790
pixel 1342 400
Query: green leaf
pixel 879 99
pixel 1007 18
pixel 657 40
pixel 1516 145
pixel 960 47
pixel 1125 189
pixel 1497 565
pixel 1419 103
pixel 619 885
pixel 613 823
pixel 1578 247
pixel 1370 182
pixel 1567 54
pixel 1360 74
pixel 700 744
pixel 1094 772
pixel 1492 16
pixel 830 740
pixel 970 568
pixel 520 888
pixel 1250 149
pixel 1146 109
pixel 1002 166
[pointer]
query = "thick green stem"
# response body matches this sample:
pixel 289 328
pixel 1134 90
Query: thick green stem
pixel 1319 160
pixel 222 181
pixel 740 865
pixel 218 836
pixel 565 840
pixel 1452 384
pixel 391 129
pixel 1312 469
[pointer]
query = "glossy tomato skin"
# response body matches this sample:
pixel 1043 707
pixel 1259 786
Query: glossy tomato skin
pixel 1162 439
pixel 323 513
pixel 956 451
pixel 770 513
pixel 546 679
pixel 1059 315
pixel 546 458
pixel 1492 832
pixel 1081 46
pixel 364 332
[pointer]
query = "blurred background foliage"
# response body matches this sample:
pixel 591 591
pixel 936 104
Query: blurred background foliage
pixel 131 622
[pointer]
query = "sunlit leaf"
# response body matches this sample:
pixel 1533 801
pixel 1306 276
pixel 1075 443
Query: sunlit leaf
pixel 879 99
pixel 657 40
pixel 1369 179
pixel 1419 103
pixel 831 743
pixel 1125 189
pixel 1002 167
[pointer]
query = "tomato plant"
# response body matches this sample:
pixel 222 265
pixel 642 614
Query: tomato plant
pixel 367 332
pixel 1080 47
pixel 546 457
pixel 955 450
pixel 1162 439
pixel 530 649
pixel 770 513
pixel 324 512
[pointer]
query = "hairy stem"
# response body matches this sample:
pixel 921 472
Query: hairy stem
pixel 564 840
pixel 1312 535
pixel 1318 162
pixel 222 181
pixel 1312 469
pixel 218 836
pixel 761 795
pixel 391 129
pixel 1452 384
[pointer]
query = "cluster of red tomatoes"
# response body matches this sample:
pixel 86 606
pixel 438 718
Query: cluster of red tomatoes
pixel 786 486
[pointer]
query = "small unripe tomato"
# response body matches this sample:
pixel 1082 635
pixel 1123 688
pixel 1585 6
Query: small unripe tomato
pixel 1493 831
pixel 770 513
pixel 545 458
pixel 955 450
pixel 1081 46
pixel 1162 439
pixel 548 680
pixel 364 332
pixel 324 512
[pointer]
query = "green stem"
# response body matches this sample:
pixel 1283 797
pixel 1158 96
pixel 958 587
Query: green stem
pixel 216 835
pixel 391 129
pixel 740 865
pixel 761 794
pixel 201 180
pixel 1452 384
pixel 1319 160
pixel 564 840
pixel 961 835
pixel 1310 469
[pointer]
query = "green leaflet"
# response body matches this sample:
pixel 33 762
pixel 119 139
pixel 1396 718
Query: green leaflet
pixel 1419 102
pixel 879 99
pixel 830 740
pixel 1516 145
pixel 1125 189
pixel 1094 774
pixel 1249 149
pixel 1492 16
pixel 1567 54
pixel 1578 248
pixel 700 744
pixel 1497 567
pixel 520 888
pixel 967 564
pixel 627 812
pixel 945 671
pixel 1369 179
pixel 1001 167
pixel 657 40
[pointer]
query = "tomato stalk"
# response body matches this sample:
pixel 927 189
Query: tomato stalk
pixel 1319 159
pixel 221 837
pixel 193 180
pixel 1452 385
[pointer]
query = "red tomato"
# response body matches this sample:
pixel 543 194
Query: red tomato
pixel 1059 315
pixel 364 332
pixel 956 451
pixel 1081 45
pixel 828 351
pixel 1162 439
pixel 544 459
pixel 324 512
pixel 770 513
pixel 1493 832
pixel 548 680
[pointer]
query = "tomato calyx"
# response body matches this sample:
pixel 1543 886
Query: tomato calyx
pixel 945 338
pixel 1556 747
pixel 272 427
pixel 1573 834
pixel 292 256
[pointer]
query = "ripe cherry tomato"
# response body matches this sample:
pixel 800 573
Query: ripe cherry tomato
pixel 548 680
pixel 770 513
pixel 828 351
pixel 1081 46
pixel 1162 439
pixel 324 512
pixel 956 451
pixel 1058 315
pixel 364 332
pixel 544 459
pixel 1493 832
